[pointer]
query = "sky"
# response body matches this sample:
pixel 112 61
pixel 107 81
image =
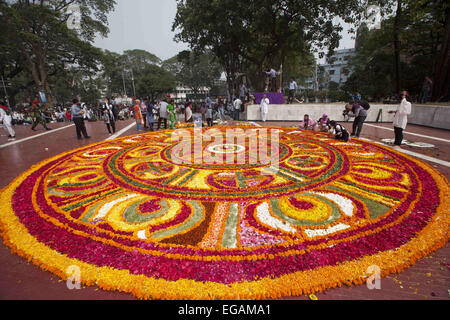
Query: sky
pixel 147 25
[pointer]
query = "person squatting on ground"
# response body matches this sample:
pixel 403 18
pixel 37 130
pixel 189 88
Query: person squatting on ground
pixel 308 124
pixel 5 117
pixel 323 124
pixel 264 107
pixel 401 118
pixel 78 120
pixel 340 133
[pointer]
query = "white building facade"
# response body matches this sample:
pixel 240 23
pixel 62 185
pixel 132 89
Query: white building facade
pixel 337 68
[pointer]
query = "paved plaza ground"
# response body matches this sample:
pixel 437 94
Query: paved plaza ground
pixel 429 278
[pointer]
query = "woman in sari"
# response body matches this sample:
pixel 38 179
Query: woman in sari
pixel 138 115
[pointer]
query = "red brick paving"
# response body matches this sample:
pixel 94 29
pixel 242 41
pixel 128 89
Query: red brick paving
pixel 429 278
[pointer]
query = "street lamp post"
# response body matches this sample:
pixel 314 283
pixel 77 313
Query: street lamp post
pixel 123 81
pixel 132 80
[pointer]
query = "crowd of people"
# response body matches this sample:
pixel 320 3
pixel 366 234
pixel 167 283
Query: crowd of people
pixel 155 115
pixel 164 114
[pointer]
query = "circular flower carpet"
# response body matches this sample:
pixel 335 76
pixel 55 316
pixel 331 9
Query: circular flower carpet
pixel 263 214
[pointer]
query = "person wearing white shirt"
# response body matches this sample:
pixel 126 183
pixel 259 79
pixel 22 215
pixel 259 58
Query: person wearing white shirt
pixel 401 118
pixel 292 88
pixel 264 106
pixel 111 123
pixel 237 109
pixel 273 78
pixel 189 112
pixel 163 115
pixel 5 117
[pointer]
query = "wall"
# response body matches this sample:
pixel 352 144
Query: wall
pixel 432 116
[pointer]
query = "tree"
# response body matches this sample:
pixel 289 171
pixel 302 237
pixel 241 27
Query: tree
pixel 138 60
pixel 39 30
pixel 76 82
pixel 197 70
pixel 432 17
pixel 251 36
pixel 300 66
pixel 113 74
pixel 154 82
pixel 383 65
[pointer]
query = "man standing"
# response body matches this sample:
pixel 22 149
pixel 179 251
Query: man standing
pixel 292 88
pixel 237 109
pixel 151 114
pixel 209 115
pixel 242 92
pixel 115 108
pixel 77 117
pixel 401 118
pixel 221 108
pixel 36 115
pixel 162 114
pixel 264 106
pixel 273 79
pixel 188 112
pixel 426 90
pixel 112 118
pixel 5 117
pixel 144 106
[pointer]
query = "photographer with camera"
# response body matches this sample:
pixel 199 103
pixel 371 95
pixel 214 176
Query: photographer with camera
pixel 358 110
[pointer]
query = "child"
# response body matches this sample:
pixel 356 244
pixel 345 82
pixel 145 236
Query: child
pixel 340 133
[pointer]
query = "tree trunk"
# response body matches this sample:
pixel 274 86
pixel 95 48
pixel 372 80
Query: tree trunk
pixel 442 67
pixel 48 95
pixel 397 47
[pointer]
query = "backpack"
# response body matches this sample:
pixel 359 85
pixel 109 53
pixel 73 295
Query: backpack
pixel 364 104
